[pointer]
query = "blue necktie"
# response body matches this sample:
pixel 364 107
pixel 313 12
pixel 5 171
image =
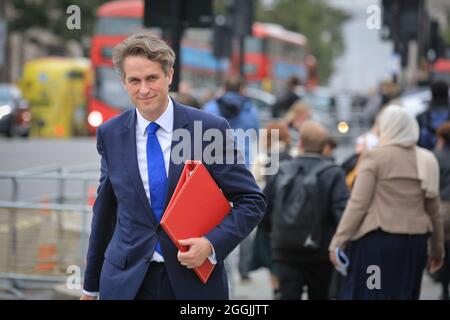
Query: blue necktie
pixel 157 178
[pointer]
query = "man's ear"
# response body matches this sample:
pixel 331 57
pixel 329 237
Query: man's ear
pixel 170 75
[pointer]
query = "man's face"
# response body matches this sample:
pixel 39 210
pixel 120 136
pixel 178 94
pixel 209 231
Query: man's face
pixel 147 85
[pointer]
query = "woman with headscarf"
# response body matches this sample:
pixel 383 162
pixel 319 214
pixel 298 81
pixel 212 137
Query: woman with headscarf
pixel 392 219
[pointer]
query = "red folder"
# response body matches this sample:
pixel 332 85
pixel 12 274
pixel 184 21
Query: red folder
pixel 196 207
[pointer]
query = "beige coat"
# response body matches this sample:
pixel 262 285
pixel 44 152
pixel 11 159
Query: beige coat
pixel 388 195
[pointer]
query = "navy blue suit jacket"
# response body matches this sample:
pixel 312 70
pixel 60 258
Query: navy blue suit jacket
pixel 124 230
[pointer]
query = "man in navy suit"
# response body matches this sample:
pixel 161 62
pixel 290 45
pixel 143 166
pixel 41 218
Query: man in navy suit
pixel 129 255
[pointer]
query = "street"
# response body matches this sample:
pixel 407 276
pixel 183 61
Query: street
pixel 19 154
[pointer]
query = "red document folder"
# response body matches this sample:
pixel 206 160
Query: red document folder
pixel 196 207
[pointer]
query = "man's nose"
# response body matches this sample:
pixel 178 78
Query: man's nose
pixel 144 88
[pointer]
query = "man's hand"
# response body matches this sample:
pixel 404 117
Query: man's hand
pixel 88 297
pixel 198 251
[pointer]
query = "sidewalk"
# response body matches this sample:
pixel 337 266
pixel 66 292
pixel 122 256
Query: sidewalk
pixel 259 286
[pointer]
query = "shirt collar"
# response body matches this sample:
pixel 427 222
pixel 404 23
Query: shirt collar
pixel 165 121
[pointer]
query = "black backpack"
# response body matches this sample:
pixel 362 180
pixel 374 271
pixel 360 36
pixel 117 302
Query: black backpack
pixel 298 217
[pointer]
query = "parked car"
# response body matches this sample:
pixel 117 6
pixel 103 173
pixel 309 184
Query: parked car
pixel 15 115
pixel 415 101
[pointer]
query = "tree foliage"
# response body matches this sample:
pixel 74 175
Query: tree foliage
pixel 315 19
pixel 319 22
pixel 51 15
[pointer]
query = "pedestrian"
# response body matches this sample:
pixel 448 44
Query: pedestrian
pixel 241 114
pixel 442 153
pixel 364 143
pixel 276 153
pixel 293 92
pixel 391 216
pixel 330 145
pixel 436 114
pixel 299 113
pixel 305 202
pixel 129 254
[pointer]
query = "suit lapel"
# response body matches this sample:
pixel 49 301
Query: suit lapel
pixel 129 154
pixel 180 120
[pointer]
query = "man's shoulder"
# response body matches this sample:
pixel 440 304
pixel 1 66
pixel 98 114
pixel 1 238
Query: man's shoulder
pixel 194 114
pixel 119 120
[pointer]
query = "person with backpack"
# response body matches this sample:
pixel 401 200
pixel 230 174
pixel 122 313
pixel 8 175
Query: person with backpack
pixel 391 228
pixel 437 113
pixel 306 199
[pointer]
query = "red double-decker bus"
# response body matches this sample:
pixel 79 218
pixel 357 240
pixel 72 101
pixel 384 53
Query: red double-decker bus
pixel 273 54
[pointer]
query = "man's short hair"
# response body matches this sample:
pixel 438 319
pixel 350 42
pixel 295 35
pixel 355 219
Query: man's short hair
pixel 294 81
pixel 144 44
pixel 234 83
pixel 444 132
pixel 332 142
pixel 439 92
pixel 313 137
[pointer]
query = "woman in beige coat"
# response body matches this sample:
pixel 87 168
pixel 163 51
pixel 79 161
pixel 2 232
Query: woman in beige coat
pixel 391 223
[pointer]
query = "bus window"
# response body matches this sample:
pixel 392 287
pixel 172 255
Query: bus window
pixel 114 26
pixel 109 88
pixel 253 45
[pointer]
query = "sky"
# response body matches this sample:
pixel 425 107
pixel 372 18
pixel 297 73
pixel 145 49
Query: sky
pixel 367 59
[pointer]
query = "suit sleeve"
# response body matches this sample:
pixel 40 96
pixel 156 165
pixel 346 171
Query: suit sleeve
pixel 240 188
pixel 103 223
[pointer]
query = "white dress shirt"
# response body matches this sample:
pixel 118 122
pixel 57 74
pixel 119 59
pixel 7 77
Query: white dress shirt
pixel 164 135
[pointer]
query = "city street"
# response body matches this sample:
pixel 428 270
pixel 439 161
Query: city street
pixel 19 154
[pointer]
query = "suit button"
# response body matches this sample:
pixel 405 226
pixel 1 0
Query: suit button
pixel 146 259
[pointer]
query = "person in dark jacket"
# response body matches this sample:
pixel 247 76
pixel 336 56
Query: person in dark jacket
pixel 294 92
pixel 298 267
pixel 437 113
pixel 442 153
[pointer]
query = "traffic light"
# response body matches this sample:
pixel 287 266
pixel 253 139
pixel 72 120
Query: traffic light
pixel 223 38
pixel 401 23
pixel 168 13
pixel 242 13
pixel 436 45
pixel 401 19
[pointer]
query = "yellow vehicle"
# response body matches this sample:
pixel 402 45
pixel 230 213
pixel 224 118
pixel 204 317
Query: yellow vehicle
pixel 55 88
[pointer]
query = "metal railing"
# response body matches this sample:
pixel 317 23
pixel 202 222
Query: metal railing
pixel 44 225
